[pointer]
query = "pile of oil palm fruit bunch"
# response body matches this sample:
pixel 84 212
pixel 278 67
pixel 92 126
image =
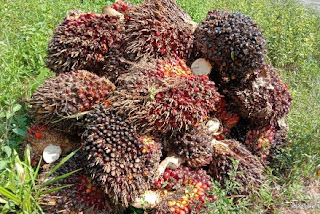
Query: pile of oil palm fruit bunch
pixel 160 107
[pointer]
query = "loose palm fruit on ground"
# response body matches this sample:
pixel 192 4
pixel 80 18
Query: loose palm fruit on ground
pixel 118 158
pixel 86 41
pixel 229 156
pixel 61 100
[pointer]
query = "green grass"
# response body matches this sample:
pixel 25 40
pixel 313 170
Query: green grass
pixel 293 38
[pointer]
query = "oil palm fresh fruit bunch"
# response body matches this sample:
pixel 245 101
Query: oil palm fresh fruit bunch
pixel 264 140
pixel 157 29
pixel 62 100
pixel 231 156
pixel 81 195
pixel 264 99
pixel 119 159
pixel 188 191
pixel 165 105
pixel 86 41
pixel 233 43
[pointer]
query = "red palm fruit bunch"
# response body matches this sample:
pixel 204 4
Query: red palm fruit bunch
pixel 83 196
pixel 264 99
pixel 190 190
pixel 40 136
pixel 118 158
pixel 227 117
pixel 230 156
pixel 165 105
pixel 122 6
pixel 263 140
pixel 86 41
pixel 151 33
pixel 194 146
pixel 232 42
pixel 60 101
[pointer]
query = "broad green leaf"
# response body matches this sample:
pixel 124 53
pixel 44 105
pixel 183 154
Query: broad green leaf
pixel 16 108
pixel 19 132
pixel 7 150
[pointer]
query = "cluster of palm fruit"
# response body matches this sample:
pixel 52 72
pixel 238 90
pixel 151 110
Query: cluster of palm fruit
pixel 188 190
pixel 125 93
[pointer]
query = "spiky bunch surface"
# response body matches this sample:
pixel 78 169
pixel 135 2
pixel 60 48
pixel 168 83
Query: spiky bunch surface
pixel 230 156
pixel 86 41
pixel 150 32
pixel 232 42
pixel 66 95
pixel 262 140
pixel 83 196
pixel 190 187
pixel 119 159
pixel 263 100
pixel 194 146
pixel 40 136
pixel 165 105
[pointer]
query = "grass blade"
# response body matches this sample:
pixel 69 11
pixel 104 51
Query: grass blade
pixel 59 178
pixel 65 159
pixel 9 195
pixel 55 189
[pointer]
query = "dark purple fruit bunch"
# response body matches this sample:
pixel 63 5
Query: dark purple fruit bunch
pixel 232 42
pixel 151 33
pixel 118 159
pixel 86 41
pixel 194 146
pixel 230 156
pixel 263 100
pixel 166 105
pixel 83 196
pixel 190 188
pixel 62 99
